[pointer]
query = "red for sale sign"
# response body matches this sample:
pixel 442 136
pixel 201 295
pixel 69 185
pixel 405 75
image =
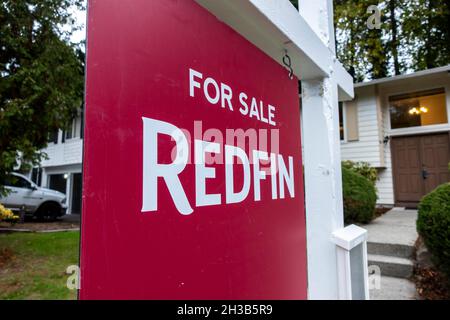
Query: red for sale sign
pixel 193 183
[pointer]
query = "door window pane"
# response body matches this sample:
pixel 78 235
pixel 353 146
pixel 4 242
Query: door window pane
pixel 418 109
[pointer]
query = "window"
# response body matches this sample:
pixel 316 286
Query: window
pixel 69 131
pixel 74 129
pixel 77 127
pixel 418 109
pixel 36 176
pixel 22 183
pixel 348 121
pixel 53 136
pixel 16 182
pixel 341 121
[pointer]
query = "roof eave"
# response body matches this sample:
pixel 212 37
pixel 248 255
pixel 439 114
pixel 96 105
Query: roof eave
pixel 404 77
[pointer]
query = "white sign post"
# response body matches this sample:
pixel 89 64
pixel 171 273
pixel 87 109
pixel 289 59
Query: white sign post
pixel 323 178
pixel 329 275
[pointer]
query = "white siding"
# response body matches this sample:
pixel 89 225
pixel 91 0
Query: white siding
pixel 385 186
pixel 368 148
pixel 69 152
pixel 62 154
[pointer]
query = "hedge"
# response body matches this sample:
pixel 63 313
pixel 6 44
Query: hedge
pixel 362 168
pixel 433 224
pixel 359 197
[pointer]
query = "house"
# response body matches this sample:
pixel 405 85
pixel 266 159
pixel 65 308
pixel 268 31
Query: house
pixel 62 170
pixel 400 125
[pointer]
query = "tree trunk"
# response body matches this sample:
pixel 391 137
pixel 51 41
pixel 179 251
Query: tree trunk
pixel 394 37
pixel 429 56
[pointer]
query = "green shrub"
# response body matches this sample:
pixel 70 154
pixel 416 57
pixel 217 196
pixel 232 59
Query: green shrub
pixel 359 197
pixel 362 168
pixel 433 225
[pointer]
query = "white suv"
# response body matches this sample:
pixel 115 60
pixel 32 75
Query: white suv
pixel 39 202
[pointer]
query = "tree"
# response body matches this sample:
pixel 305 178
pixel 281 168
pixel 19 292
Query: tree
pixel 427 29
pixel 359 48
pixel 375 50
pixel 394 36
pixel 414 35
pixel 41 77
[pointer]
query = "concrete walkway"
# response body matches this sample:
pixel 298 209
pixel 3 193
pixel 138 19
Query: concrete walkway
pixel 394 289
pixel 397 226
pixel 390 249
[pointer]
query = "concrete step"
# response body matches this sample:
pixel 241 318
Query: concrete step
pixel 390 249
pixel 392 266
pixel 394 289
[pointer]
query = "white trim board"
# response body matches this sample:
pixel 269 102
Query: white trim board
pixel 404 76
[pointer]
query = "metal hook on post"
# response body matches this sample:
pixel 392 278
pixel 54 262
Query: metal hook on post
pixel 288 64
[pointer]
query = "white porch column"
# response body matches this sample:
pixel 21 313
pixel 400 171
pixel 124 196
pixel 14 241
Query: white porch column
pixel 322 160
pixel 44 179
pixel 69 192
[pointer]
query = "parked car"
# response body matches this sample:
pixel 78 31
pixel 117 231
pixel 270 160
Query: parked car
pixel 35 201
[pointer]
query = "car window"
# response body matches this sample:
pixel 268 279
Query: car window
pixel 17 182
pixel 6 181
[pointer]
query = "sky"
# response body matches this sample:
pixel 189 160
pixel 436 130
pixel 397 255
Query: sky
pixel 80 17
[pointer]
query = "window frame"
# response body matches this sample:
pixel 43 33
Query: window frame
pixel 344 122
pixel 75 130
pixel 418 129
pixel 67 132
pixel 38 172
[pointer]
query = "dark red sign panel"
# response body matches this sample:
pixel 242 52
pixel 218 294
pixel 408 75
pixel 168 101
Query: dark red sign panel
pixel 193 184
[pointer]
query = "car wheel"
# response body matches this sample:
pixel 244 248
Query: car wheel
pixel 48 211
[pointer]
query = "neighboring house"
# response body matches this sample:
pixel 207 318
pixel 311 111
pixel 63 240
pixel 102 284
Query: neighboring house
pixel 62 170
pixel 400 125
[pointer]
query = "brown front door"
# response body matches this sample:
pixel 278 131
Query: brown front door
pixel 420 164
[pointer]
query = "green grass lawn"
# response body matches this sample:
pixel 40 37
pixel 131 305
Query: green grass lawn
pixel 33 265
